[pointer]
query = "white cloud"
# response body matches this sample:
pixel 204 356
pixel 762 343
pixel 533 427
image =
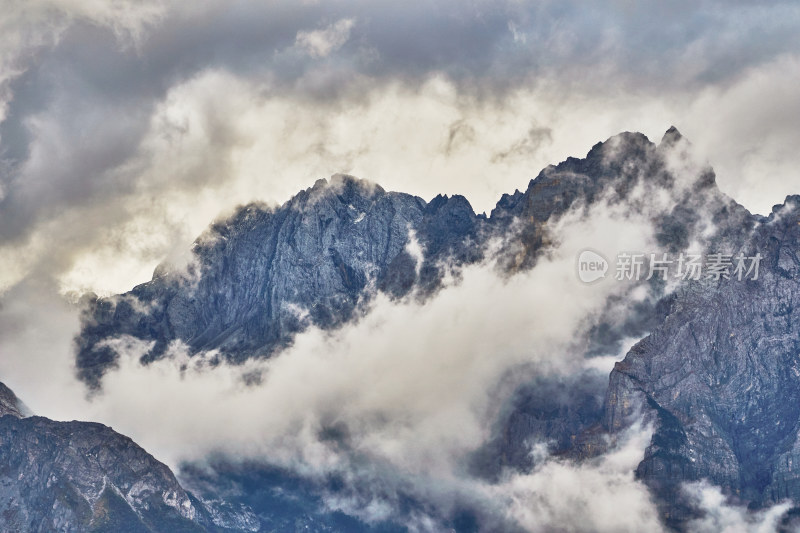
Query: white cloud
pixel 414 386
pixel 721 516
pixel 747 132
pixel 320 43
pixel 599 495
pixel 202 155
pixel 427 370
pixel 37 362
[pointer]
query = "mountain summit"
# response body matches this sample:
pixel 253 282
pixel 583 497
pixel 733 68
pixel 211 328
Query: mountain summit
pixel 715 371
pixel 264 274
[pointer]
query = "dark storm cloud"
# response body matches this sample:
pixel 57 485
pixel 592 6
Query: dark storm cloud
pixel 490 45
pixel 87 119
pixel 480 43
pixel 104 131
pixel 87 99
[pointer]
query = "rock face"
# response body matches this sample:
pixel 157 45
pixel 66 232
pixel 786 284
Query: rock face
pixel 79 476
pixel 82 476
pixel 278 500
pixel 721 378
pixel 718 374
pixel 9 403
pixel 628 171
pixel 265 274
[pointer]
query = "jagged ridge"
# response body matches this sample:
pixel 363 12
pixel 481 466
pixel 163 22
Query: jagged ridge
pixel 328 249
pixel 265 274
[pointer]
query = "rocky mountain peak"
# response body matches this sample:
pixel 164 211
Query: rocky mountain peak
pixel 343 187
pixel 719 375
pixel 10 404
pixel 82 476
pixel 716 369
pixel 266 273
pixel 671 137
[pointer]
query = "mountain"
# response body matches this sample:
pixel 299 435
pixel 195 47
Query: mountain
pixel 264 274
pixel 716 371
pixel 80 476
pixel 721 378
pixel 85 477
pixel 9 403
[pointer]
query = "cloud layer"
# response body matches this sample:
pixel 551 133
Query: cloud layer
pixel 127 126
pixel 397 402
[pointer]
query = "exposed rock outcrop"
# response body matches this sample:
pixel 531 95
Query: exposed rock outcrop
pixel 721 378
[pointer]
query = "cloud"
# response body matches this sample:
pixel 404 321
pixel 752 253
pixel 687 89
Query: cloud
pixel 396 402
pixel 28 27
pixel 432 365
pixel 117 147
pixel 320 43
pixel 719 515
pixel 754 163
pixel 36 331
pixel 126 127
pixel 596 495
pixel 198 155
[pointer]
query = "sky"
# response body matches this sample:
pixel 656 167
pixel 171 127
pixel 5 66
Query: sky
pixel 127 127
pixel 415 384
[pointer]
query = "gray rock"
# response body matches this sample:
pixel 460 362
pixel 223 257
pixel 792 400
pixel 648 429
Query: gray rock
pixel 10 404
pixel 81 476
pixel 718 374
pixel 568 412
pixel 265 274
pixel 721 379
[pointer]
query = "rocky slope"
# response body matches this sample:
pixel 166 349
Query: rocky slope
pixel 264 274
pixel 84 477
pixel 9 403
pixel 721 378
pixel 80 476
pixel 718 373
